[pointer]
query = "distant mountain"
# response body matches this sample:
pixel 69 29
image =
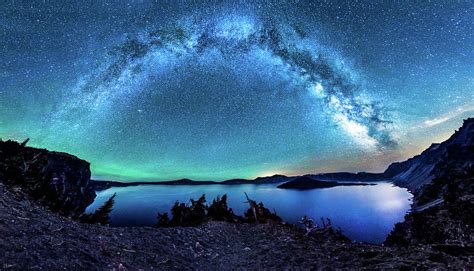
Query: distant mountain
pixel 412 173
pixel 272 179
pixel 102 185
pixel 416 171
pixel 305 183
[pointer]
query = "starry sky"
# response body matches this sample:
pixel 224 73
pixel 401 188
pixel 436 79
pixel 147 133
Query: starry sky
pixel 213 90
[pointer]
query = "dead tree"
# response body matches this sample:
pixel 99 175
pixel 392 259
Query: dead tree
pixel 23 144
pixel 309 225
pixel 253 206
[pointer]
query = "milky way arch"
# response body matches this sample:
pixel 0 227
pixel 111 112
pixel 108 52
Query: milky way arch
pixel 152 51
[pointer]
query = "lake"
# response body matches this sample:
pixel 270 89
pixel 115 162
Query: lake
pixel 364 213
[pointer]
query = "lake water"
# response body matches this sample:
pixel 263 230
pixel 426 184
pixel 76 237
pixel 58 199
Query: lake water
pixel 364 213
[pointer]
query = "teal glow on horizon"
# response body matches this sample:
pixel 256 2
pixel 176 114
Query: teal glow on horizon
pixel 162 91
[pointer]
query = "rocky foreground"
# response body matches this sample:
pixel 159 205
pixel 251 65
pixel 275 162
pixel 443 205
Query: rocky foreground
pixel 43 195
pixel 31 237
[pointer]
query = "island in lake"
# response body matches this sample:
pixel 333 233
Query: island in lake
pixel 304 183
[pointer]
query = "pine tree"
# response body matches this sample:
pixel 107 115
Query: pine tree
pixel 101 215
pixel 198 210
pixel 219 210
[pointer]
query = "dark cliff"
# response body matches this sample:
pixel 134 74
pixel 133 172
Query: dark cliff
pixel 443 202
pixel 421 169
pixel 57 180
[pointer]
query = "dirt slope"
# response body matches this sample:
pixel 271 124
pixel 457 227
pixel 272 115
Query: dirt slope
pixel 31 237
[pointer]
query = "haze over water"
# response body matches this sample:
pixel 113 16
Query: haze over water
pixel 364 213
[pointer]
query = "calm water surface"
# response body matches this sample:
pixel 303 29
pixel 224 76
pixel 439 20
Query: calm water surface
pixel 364 213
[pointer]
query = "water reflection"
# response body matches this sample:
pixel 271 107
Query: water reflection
pixel 364 213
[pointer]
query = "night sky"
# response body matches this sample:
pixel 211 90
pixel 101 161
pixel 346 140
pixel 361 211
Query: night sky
pixel 215 90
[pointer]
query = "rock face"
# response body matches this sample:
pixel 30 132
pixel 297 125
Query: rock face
pixel 443 203
pixel 57 180
pixel 421 169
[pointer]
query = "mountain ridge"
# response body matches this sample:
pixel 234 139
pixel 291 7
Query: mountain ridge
pixel 277 178
pixel 411 173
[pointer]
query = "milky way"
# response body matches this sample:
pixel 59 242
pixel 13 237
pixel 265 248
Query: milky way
pixel 154 90
pixel 145 54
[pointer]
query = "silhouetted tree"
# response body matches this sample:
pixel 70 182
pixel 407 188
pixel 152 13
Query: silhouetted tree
pixel 163 220
pixel 251 213
pixel 198 210
pixel 185 215
pixel 219 210
pixel 23 144
pixel 181 214
pixel 259 213
pixel 101 215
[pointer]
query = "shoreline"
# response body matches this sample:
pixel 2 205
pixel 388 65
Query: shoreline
pixel 56 242
pixel 128 198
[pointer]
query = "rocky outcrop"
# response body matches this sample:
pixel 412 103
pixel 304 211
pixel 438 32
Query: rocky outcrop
pixel 57 180
pixel 416 171
pixel 442 206
pixel 421 169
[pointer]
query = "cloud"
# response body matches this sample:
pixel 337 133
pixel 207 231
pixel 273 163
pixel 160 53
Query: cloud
pixel 469 107
pixel 436 121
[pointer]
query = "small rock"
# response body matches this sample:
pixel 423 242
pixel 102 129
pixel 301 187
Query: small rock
pixel 199 246
pixel 121 267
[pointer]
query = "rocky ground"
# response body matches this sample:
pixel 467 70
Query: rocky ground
pixel 31 237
